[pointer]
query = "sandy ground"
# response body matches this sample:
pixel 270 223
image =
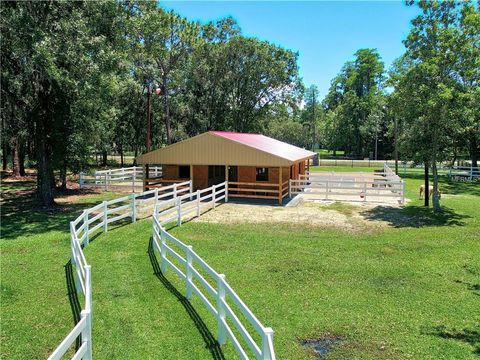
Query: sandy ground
pixel 324 214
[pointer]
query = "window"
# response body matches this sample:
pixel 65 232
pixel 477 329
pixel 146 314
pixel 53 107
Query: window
pixel 184 172
pixel 262 174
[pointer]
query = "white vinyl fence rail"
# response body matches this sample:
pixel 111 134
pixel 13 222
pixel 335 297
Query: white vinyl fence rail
pixel 464 173
pixel 381 186
pixel 129 177
pixel 177 199
pixel 93 219
pixel 216 293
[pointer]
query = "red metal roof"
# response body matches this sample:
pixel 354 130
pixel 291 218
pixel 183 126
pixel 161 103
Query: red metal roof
pixel 267 144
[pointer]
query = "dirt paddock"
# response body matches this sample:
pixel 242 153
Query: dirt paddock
pixel 351 217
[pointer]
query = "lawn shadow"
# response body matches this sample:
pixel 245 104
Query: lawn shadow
pixel 210 341
pixel 469 336
pixel 73 299
pixel 475 288
pixel 415 216
pixel 23 215
pixel 448 186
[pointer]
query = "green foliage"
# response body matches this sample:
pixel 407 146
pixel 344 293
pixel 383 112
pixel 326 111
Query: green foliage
pixel 354 106
pixel 75 76
pixel 436 85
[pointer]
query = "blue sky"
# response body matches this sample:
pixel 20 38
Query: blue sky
pixel 326 34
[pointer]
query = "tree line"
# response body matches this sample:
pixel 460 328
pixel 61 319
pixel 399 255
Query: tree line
pixel 81 78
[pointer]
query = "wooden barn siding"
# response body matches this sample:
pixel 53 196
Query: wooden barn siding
pixel 249 174
pixel 170 172
pixel 200 177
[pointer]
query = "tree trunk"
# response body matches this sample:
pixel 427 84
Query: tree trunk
pixel 44 175
pixel 15 158
pixel 435 198
pixel 63 176
pixel 21 158
pixel 166 106
pixel 4 156
pixel 121 155
pixel 474 150
pixel 104 158
pixel 426 193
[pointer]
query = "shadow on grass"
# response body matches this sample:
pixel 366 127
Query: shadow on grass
pixel 475 288
pixel 73 298
pixel 23 215
pixel 469 336
pixel 210 341
pixel 449 186
pixel 415 216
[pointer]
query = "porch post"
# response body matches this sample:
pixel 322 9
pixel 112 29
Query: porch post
pixel 145 176
pixel 191 174
pixel 226 183
pixel 280 185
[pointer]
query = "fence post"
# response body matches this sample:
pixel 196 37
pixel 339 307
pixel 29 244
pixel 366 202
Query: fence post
pixel 105 180
pixel 189 272
pixel 198 203
pixel 221 331
pixel 81 179
pixel 214 187
pixel 163 254
pixel 156 197
pixel 179 212
pixel 191 189
pixel 72 239
pixel 85 221
pixel 134 209
pixel 133 179
pixel 226 191
pixel 105 217
pixel 289 188
pixel 87 334
pixel 267 338
pixel 174 190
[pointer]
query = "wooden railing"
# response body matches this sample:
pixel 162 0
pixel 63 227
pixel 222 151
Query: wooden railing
pixel 258 190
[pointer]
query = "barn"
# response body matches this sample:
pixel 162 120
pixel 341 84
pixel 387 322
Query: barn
pixel 253 165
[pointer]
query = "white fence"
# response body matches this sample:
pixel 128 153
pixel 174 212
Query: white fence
pixel 178 197
pixel 189 266
pixel 464 173
pixel 371 187
pixel 130 177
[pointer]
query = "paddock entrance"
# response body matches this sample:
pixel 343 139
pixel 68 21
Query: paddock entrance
pixel 381 186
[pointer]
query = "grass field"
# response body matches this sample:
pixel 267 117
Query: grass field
pixel 409 290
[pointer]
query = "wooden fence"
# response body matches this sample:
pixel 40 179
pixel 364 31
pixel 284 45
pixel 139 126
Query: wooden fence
pixel 387 185
pixel 160 202
pixel 258 190
pixel 130 177
pixel 203 281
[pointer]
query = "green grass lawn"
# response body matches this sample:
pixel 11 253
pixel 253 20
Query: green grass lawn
pixel 411 290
